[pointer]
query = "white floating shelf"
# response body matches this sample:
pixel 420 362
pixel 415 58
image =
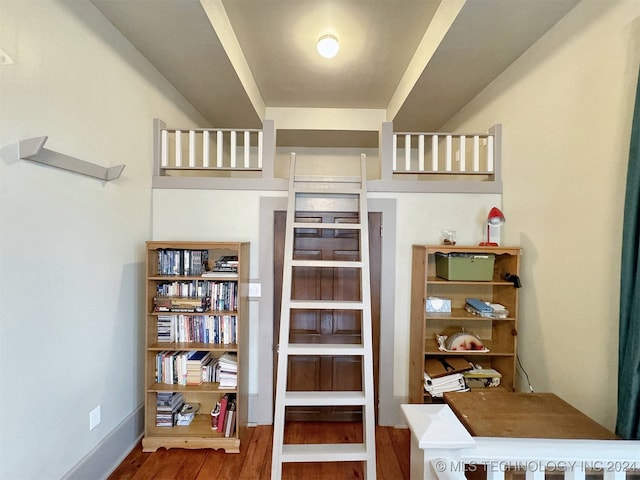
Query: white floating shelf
pixel 32 149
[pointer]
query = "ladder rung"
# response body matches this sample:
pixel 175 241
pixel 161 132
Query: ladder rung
pixel 326 263
pixel 333 226
pixel 327 304
pixel 298 399
pixel 329 179
pixel 328 452
pixel 324 349
pixel 328 190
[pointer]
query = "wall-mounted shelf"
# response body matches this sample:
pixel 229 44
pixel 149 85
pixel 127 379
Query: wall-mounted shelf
pixel 32 149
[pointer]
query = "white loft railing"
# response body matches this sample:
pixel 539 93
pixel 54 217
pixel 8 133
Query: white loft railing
pixel 444 153
pixel 442 449
pixel 244 159
pixel 211 149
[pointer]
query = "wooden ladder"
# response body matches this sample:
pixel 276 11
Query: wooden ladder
pixel 314 187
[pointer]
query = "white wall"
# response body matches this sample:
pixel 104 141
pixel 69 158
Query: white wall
pixel 71 254
pixel 566 109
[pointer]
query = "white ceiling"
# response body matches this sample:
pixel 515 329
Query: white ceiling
pixel 418 60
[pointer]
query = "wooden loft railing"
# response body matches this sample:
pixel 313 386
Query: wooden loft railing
pixel 235 159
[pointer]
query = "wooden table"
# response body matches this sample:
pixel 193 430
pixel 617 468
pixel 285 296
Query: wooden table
pixel 500 413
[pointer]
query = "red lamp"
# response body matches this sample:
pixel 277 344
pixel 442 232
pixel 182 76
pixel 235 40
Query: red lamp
pixel 494 219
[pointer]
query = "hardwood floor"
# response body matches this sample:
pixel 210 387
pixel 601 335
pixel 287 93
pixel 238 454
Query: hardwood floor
pixel 254 459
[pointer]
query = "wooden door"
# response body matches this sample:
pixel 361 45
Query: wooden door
pixel 327 326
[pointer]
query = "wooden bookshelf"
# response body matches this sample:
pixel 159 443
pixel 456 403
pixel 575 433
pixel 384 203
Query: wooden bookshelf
pixel 498 335
pixel 204 337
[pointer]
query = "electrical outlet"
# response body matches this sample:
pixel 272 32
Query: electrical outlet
pixel 94 418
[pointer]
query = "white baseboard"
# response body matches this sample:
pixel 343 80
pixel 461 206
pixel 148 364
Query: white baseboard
pixel 100 462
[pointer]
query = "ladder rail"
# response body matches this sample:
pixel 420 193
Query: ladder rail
pixel 285 320
pixel 366 329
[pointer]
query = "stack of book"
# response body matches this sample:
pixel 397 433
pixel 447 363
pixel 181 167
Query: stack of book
pixel 445 375
pixel 195 362
pixel 436 387
pixel 226 263
pixel 228 370
pixel 168 404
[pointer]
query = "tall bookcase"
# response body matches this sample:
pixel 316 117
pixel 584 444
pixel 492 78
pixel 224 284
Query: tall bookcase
pixel 498 335
pixel 177 286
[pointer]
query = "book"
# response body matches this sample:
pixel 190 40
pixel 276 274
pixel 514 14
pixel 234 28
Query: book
pixel 230 420
pixel 449 383
pixel 223 411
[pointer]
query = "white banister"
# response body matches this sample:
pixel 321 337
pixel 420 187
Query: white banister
pixel 441 449
pixel 476 153
pixel 233 149
pixel 219 143
pixel 192 148
pixel 434 153
pixel 247 148
pixel 448 149
pixel 454 146
pixel 205 148
pixel 407 152
pixel 178 151
pixel 260 140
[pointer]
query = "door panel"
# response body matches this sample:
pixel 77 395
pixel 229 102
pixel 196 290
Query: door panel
pixel 327 326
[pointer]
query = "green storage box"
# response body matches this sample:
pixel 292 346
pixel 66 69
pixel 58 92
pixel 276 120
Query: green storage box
pixel 465 266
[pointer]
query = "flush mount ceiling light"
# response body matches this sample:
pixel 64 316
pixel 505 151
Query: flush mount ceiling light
pixel 328 46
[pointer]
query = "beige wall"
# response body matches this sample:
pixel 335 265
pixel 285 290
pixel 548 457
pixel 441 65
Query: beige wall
pixel 566 108
pixel 71 256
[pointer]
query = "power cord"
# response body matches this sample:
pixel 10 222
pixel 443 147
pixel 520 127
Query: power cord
pixel 525 374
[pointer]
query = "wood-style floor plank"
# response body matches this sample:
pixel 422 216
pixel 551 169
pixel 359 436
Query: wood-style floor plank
pixel 254 460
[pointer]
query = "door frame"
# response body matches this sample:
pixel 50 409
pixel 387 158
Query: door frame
pixel 261 402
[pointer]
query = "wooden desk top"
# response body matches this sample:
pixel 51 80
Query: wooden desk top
pixel 500 413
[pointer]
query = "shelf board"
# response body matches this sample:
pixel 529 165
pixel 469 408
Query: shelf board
pixel 462 314
pixel 207 347
pixel 204 387
pixel 431 249
pixel 207 313
pixel 222 277
pixel 431 349
pixel 444 281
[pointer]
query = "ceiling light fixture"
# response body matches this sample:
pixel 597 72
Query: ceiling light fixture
pixel 328 46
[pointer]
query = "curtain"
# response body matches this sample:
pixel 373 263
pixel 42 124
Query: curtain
pixel 628 421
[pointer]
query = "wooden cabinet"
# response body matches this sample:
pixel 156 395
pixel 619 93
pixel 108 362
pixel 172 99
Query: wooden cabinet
pixel 189 310
pixel 499 336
